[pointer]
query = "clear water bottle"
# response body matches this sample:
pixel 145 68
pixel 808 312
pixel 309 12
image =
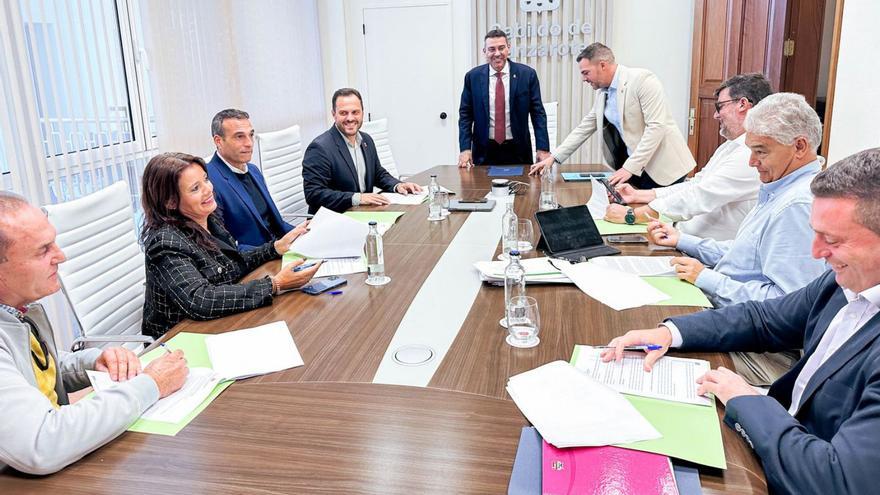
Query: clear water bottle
pixel 514 282
pixel 435 209
pixel 375 257
pixel 509 238
pixel 548 188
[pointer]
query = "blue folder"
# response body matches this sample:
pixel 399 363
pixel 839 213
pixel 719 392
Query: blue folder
pixel 496 171
pixel 526 476
pixel 688 480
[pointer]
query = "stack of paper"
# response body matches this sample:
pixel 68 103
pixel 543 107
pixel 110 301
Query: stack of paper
pixel 407 199
pixel 538 271
pixel 331 235
pixel 611 287
pixel 253 351
pixel 199 384
pixel 643 266
pixel 570 409
pixel 671 378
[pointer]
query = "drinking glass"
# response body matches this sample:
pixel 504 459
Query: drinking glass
pixel 523 322
pixel 525 235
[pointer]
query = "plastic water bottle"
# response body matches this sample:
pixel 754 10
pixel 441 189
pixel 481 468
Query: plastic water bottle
pixel 548 188
pixel 514 280
pixel 375 257
pixel 509 238
pixel 435 210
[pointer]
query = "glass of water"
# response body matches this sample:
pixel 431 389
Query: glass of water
pixel 523 322
pixel 435 209
pixel 525 235
pixel 444 203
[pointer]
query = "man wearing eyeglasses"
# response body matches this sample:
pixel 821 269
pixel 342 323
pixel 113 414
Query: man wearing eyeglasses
pixel 40 432
pixel 716 200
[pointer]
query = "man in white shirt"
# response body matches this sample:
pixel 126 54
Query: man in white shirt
pixel 714 202
pixel 818 428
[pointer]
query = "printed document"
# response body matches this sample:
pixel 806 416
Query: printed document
pixel 643 266
pixel 611 287
pixel 332 235
pixel 253 351
pixel 172 409
pixel 671 378
pixel 598 202
pixel 342 266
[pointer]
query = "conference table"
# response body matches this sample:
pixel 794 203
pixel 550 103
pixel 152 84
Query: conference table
pixel 331 426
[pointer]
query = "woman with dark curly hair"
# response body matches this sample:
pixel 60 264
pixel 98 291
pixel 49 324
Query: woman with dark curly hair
pixel 193 265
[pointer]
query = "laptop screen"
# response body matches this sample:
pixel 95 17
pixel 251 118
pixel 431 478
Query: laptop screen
pixel 567 229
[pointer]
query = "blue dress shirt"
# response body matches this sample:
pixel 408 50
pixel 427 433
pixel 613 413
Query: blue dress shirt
pixel 771 254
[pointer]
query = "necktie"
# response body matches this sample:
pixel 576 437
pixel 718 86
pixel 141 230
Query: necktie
pixel 500 124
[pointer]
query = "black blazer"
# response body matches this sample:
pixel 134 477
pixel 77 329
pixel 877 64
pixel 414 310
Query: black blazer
pixel 525 101
pixel 329 176
pixel 831 444
pixel 185 280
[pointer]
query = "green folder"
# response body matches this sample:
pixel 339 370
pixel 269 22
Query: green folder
pixel 682 293
pixel 609 228
pixel 690 432
pixel 193 346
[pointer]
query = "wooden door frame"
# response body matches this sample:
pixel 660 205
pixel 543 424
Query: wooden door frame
pixel 832 75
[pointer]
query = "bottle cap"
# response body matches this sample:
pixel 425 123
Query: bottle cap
pixel 514 252
pixel 372 223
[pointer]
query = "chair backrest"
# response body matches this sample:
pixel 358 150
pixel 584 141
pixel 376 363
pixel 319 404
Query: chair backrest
pixel 104 275
pixel 281 159
pixel 551 109
pixel 378 130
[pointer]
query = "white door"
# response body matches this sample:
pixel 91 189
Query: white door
pixel 409 72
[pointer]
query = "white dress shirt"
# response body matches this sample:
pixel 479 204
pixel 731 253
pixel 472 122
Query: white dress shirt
pixel 849 320
pixel 493 80
pixel 715 201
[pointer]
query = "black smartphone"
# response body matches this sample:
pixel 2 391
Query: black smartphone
pixel 473 200
pixel 615 196
pixel 323 284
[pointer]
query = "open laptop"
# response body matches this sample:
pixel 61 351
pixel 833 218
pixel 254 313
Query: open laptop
pixel 571 234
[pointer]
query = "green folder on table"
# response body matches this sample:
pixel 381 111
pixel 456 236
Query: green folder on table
pixel 388 217
pixel 691 432
pixel 193 347
pixel 681 293
pixel 609 228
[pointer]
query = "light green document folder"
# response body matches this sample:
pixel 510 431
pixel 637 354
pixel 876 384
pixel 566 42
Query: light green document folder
pixel 389 217
pixel 681 293
pixel 193 347
pixel 609 228
pixel 690 432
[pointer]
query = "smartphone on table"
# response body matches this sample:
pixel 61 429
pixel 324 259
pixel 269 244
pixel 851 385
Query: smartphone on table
pixel 323 284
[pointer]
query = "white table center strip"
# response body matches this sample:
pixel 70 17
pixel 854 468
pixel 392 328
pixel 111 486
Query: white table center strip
pixel 444 300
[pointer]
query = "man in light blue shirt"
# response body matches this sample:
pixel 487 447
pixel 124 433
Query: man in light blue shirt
pixel 770 255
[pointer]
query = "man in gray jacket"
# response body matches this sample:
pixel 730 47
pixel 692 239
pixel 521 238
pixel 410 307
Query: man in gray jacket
pixel 40 432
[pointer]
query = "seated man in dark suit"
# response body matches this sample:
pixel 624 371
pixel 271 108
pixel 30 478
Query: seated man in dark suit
pixel 242 198
pixel 341 166
pixel 818 429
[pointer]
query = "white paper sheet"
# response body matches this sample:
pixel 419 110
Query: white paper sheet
pixel 406 199
pixel 332 235
pixel 643 266
pixel 671 378
pixel 199 384
pixel 610 287
pixel 598 202
pixel 538 270
pixel 253 351
pixel 342 266
pixel 570 409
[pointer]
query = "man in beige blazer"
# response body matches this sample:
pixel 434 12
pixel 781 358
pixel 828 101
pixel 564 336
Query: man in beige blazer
pixel 641 141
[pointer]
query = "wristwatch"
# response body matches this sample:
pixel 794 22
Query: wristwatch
pixel 630 217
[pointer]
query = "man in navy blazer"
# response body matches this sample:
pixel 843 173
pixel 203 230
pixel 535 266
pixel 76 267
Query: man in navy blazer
pixel 818 429
pixel 248 211
pixel 341 166
pixel 480 141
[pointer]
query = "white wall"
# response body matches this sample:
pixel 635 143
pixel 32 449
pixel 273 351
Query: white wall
pixel 857 93
pixel 657 35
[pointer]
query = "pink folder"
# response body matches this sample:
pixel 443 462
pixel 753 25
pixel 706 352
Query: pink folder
pixel 605 470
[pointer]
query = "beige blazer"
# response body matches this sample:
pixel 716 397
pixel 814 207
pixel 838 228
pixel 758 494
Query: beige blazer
pixel 657 145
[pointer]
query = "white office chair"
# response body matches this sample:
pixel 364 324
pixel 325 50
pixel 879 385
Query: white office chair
pixel 104 275
pixel 281 158
pixel 551 109
pixel 378 130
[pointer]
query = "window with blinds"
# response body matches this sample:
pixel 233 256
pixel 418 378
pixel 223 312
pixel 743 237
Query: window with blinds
pixel 83 118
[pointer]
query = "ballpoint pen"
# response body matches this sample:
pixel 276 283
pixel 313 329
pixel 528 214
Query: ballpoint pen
pixel 163 346
pixel 646 347
pixel 657 219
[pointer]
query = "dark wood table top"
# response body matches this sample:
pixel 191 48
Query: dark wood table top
pixel 343 339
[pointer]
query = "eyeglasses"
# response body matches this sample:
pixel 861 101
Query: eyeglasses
pixel 720 104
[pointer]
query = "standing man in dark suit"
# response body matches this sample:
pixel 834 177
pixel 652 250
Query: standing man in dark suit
pixel 242 198
pixel 818 429
pixel 496 102
pixel 341 166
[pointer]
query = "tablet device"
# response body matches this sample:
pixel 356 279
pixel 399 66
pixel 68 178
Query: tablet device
pixel 571 234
